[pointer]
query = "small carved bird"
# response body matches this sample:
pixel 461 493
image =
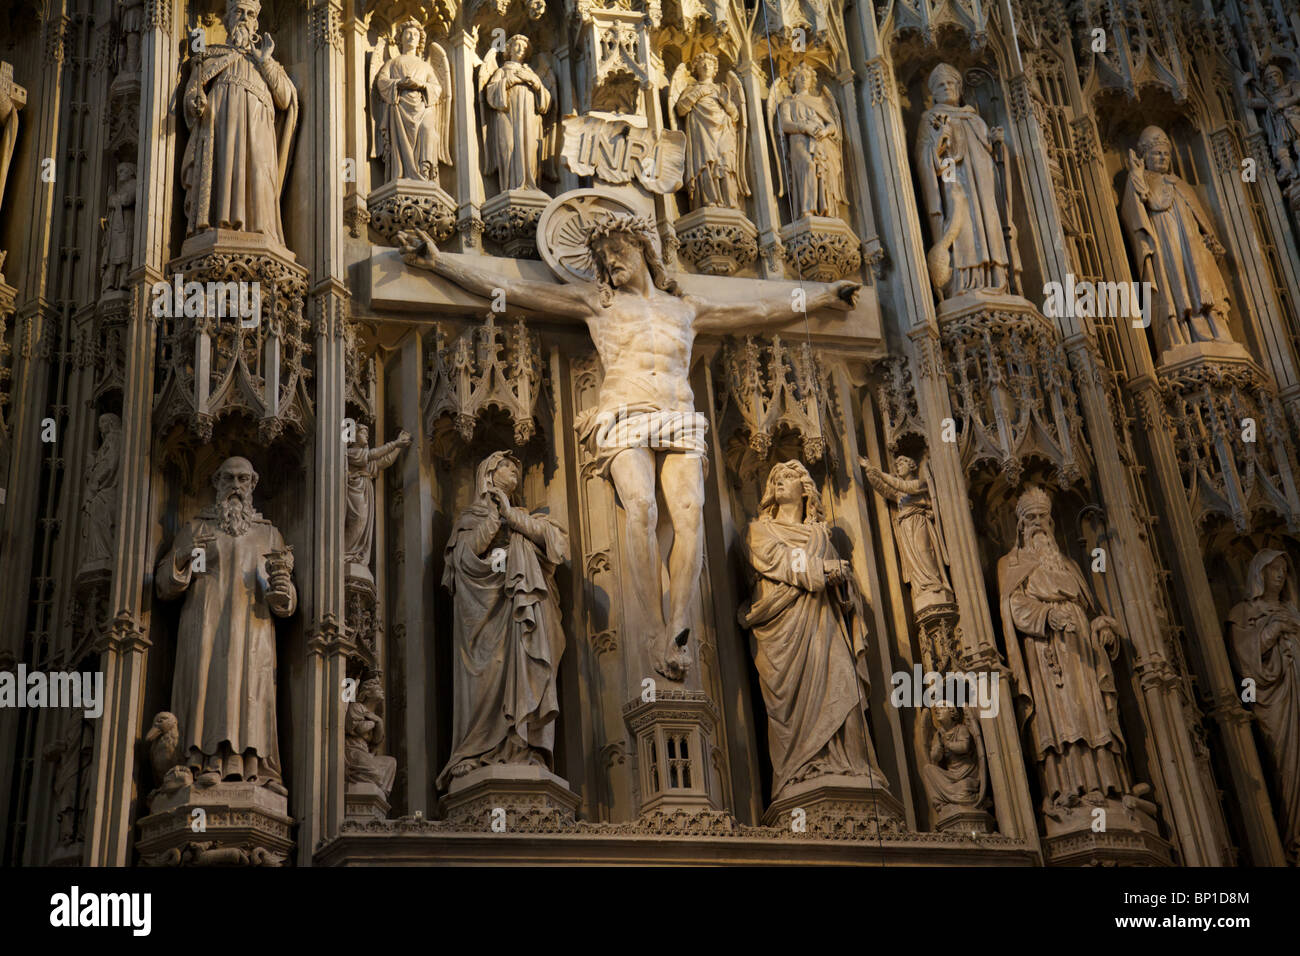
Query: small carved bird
pixel 164 739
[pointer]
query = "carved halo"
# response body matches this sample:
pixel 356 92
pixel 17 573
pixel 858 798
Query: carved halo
pixel 563 227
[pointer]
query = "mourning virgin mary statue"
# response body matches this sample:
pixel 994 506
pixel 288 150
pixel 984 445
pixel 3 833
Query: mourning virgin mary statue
pixel 507 635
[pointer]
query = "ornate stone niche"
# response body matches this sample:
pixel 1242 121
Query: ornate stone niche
pixel 1011 387
pixel 469 375
pixel 1232 439
pixel 215 365
pixel 616 50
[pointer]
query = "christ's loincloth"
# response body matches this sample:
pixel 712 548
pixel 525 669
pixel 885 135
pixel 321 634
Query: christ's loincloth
pixel 606 433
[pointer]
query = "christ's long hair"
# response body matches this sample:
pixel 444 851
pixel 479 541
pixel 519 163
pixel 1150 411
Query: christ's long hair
pixel 643 231
pixel 812 499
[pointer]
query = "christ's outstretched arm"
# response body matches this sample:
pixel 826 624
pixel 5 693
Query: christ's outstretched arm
pixel 775 309
pixel 570 301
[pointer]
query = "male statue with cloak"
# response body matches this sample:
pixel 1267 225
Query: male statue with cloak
pixel 508 637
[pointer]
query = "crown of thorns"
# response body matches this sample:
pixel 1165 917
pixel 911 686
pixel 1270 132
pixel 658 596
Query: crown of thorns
pixel 640 227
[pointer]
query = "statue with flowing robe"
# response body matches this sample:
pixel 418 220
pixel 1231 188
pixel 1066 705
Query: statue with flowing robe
pixel 363 734
pixel 1060 648
pixel 119 229
pixel 1280 102
pixel 952 758
pixel 515 101
pixel 807 621
pixel 232 568
pixel 364 466
pixel 920 545
pixel 956 166
pixel 713 116
pixel 99 509
pixel 806 120
pixel 413 108
pixel 1264 637
pixel 507 632
pixel 1175 246
pixel 234 165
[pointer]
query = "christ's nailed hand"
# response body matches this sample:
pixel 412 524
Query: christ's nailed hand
pixel 417 248
pixel 846 291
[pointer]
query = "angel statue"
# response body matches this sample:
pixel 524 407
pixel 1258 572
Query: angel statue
pixel 803 118
pixel 514 101
pixel 920 545
pixel 413 109
pixel 714 118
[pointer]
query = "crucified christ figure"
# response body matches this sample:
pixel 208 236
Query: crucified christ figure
pixel 645 431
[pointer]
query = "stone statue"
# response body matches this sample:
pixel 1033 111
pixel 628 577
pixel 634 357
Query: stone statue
pixel 955 159
pixel 99 507
pixel 364 465
pixel 807 621
pixel 804 118
pixel 645 432
pixel 363 735
pixel 1064 685
pixel 413 111
pixel 514 102
pixel 715 124
pixel 952 759
pixel 234 570
pixel 119 228
pixel 920 545
pixel 234 164
pixel 508 637
pixel 1264 636
pixel 1280 102
pixel 12 99
pixel 71 753
pixel 1175 246
pixel 131 13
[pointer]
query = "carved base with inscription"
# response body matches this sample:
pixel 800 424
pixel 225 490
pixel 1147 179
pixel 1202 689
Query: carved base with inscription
pixel 411 204
pixel 365 801
pixel 716 240
pixel 510 220
pixel 532 798
pixel 1120 833
pixel 227 824
pixel 821 249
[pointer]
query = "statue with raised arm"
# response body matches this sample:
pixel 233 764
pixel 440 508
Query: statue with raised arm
pixel 920 545
pixel 645 433
pixel 364 465
pixel 235 161
pixel 1280 102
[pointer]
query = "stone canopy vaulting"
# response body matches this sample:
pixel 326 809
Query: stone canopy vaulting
pixel 663 431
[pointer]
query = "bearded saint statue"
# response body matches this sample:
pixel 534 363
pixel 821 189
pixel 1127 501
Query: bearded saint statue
pixel 233 569
pixel 1064 685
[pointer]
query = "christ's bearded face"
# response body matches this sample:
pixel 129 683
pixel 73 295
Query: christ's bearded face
pixel 241 26
pixel 235 482
pixel 623 257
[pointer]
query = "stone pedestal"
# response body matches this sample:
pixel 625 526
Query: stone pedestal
pixel 365 801
pixel 963 820
pixel 533 798
pixel 674 749
pixel 411 204
pixel 716 240
pixel 1124 834
pixel 836 805
pixel 820 249
pixel 240 824
pixel 510 220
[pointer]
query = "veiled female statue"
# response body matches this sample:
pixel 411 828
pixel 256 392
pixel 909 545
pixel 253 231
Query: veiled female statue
pixel 514 101
pixel 952 758
pixel 955 162
pixel 806 119
pixel 413 109
pixel 713 115
pixel 500 567
pixel 1175 246
pixel 363 735
pixel 811 639
pixel 1264 636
